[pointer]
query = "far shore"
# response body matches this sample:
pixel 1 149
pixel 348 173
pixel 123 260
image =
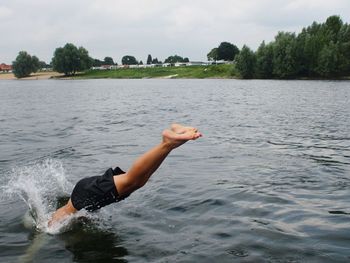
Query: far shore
pixel 34 76
pixel 194 72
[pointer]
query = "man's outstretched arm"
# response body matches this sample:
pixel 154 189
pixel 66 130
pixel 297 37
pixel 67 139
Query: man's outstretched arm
pixel 142 168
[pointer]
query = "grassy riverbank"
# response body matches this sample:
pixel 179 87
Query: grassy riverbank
pixel 197 72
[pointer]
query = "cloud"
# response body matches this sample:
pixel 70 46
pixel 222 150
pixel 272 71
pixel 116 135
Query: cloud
pixel 5 12
pixel 161 28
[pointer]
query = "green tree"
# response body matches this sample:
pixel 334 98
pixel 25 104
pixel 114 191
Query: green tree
pixel 70 59
pixel 129 60
pixel 227 51
pixel 97 63
pixel 25 64
pixel 186 60
pixel 35 64
pixel 328 61
pixel 149 59
pixel 311 51
pixel 85 59
pixel 264 61
pixel 108 61
pixel 174 59
pixel 155 61
pixel 213 54
pixel 303 69
pixel 284 59
pixel 245 63
pixel 344 50
pixel 43 64
pixel 140 63
pixel 332 27
pixel 310 42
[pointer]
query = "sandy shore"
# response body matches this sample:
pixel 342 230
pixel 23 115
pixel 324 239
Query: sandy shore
pixel 38 75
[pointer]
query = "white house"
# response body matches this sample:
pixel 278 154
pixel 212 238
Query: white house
pixel 180 64
pixel 105 67
pixel 196 63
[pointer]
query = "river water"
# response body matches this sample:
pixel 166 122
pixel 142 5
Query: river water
pixel 268 182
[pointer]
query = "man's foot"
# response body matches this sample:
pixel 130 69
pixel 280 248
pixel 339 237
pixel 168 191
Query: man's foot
pixel 180 129
pixel 174 139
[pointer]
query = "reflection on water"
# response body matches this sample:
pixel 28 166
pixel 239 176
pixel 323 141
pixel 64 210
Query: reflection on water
pixel 90 244
pixel 37 241
pixel 85 242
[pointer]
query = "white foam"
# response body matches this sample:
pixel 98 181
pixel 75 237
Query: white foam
pixel 39 185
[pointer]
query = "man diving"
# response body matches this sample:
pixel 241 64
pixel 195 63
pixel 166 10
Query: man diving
pixel 93 193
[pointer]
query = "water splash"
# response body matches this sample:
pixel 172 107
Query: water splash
pixel 44 187
pixel 39 185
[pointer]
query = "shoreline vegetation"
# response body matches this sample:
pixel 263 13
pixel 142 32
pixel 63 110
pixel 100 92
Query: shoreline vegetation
pixel 184 72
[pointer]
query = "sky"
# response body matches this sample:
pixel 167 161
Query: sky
pixel 189 28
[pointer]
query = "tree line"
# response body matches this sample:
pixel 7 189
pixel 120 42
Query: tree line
pixel 71 59
pixel 321 50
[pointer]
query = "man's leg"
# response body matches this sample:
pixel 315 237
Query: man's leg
pixel 148 163
pixel 62 213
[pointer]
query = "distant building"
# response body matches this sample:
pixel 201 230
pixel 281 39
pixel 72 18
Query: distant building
pixel 105 67
pixel 180 64
pixel 110 66
pixel 46 69
pixel 196 63
pixel 220 62
pixel 177 64
pixel 5 68
pixel 149 65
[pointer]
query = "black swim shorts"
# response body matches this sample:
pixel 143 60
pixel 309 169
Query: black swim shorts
pixel 95 192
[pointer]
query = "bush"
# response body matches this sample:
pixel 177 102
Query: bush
pixel 70 59
pixel 25 64
pixel 245 63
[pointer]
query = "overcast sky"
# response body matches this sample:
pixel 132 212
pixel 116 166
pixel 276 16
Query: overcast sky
pixel 189 28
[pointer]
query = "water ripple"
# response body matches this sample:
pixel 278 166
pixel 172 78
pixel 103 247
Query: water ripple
pixel 268 182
